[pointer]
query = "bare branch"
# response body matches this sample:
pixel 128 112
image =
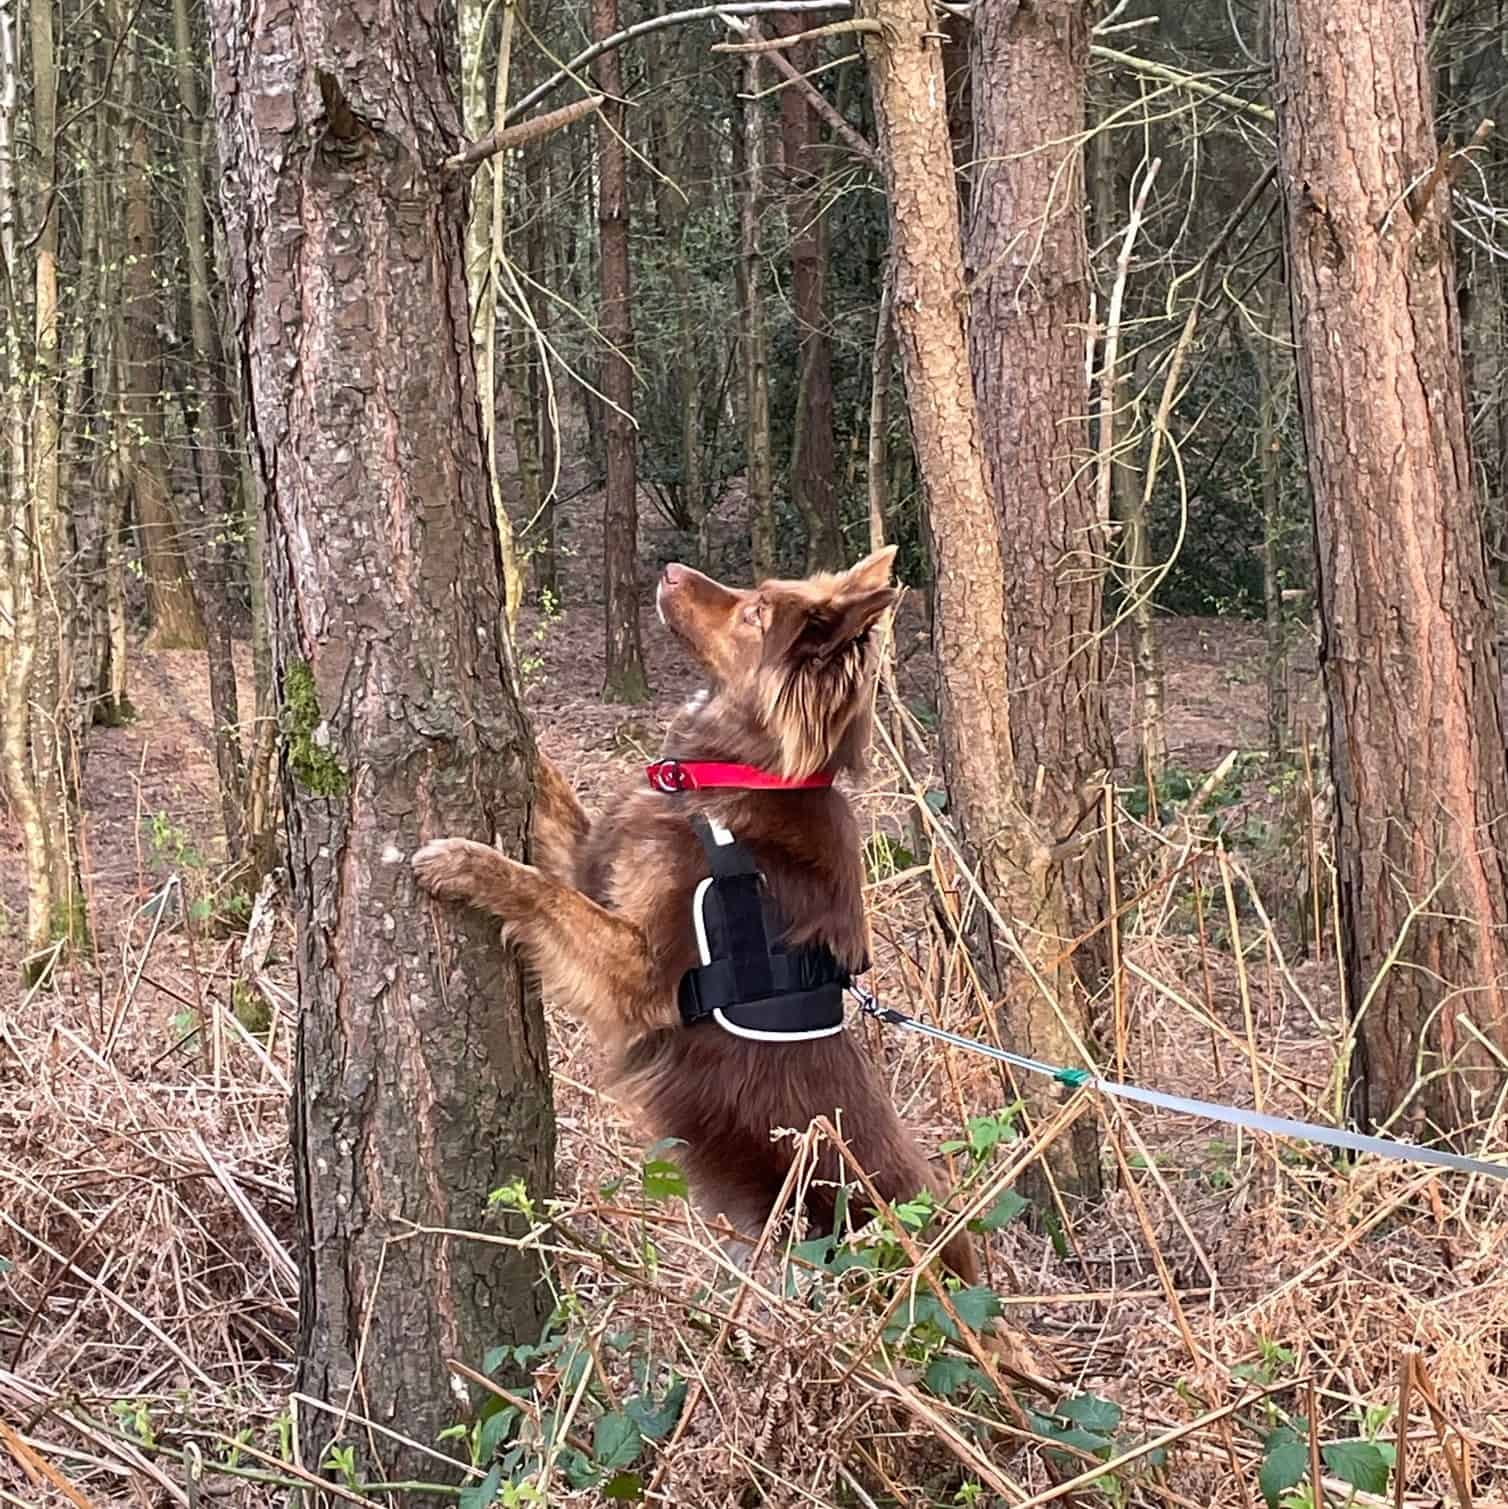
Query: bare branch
pixel 583 59
pixel 523 133
pixel 1447 166
pixel 779 44
pixel 813 96
pixel 1190 81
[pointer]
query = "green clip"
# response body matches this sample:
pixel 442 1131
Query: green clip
pixel 1075 1079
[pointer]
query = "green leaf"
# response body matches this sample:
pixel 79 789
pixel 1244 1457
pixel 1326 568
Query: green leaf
pixel 1285 1460
pixel 946 1375
pixel 976 1307
pixel 484 1494
pixel 1102 1416
pixel 655 1421
pixel 616 1442
pixel 817 1252
pixel 937 800
pixel 1002 1212
pixel 628 1486
pixel 1358 1463
pixel 663 1180
pixel 494 1357
pixel 494 1431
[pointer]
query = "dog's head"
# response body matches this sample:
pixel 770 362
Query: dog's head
pixel 794 655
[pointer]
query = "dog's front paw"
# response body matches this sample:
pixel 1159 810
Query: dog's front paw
pixel 457 869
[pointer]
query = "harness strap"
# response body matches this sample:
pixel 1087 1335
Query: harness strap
pixel 748 981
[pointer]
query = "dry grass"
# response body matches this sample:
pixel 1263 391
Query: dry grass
pixel 147 1302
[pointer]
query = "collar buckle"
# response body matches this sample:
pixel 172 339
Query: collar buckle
pixel 670 777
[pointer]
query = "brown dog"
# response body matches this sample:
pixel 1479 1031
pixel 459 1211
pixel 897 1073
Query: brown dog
pixel 605 913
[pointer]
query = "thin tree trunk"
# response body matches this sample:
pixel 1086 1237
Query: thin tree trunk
pixel 19 627
pixel 1016 863
pixel 421 1082
pixel 486 234
pixel 176 621
pixel 1408 644
pixel 211 428
pixel 1262 345
pixel 55 738
pixel 813 465
pixel 755 339
pixel 1028 313
pixel 625 680
pixel 677 127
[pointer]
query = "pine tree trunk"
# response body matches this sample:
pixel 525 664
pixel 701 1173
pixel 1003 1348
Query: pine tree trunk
pixel 422 1082
pixel 754 334
pixel 625 680
pixel 176 621
pixel 212 435
pixel 1028 263
pixel 1014 856
pixel 813 479
pixel 1408 643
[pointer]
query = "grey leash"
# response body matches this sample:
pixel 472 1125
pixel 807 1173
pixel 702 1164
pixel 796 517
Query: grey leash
pixel 1256 1121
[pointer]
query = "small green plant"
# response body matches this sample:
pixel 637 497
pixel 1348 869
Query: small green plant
pixel 885 857
pixel 342 1459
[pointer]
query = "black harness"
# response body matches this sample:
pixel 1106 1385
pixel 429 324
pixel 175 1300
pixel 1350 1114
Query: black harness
pixel 749 982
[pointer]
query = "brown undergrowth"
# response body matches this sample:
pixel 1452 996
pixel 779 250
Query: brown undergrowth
pixel 1165 1346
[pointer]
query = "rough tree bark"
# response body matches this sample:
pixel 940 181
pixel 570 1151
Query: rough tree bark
pixel 422 1083
pixel 1016 864
pixel 1408 644
pixel 625 681
pixel 1028 265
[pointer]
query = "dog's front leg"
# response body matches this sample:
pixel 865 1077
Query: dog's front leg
pixel 559 824
pixel 593 963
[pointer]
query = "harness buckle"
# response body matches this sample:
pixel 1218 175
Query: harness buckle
pixel 670 777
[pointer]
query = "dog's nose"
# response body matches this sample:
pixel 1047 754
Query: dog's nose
pixel 673 574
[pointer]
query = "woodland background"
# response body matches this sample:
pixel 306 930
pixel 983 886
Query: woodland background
pixel 359 371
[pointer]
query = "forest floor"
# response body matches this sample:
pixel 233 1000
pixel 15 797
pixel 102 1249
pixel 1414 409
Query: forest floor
pixel 147 1295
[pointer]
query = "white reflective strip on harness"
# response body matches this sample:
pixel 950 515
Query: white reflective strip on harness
pixel 701 922
pixel 723 836
pixel 755 1036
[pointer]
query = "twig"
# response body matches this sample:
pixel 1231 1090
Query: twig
pixel 793 39
pixel 1448 166
pixel 588 55
pixel 809 91
pixel 523 133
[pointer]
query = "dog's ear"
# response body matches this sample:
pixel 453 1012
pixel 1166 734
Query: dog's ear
pixel 870 573
pixel 834 626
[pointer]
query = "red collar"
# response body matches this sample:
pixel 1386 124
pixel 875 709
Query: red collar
pixel 671 776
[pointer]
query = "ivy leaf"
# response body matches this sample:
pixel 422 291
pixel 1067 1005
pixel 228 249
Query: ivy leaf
pixel 1359 1463
pixel 663 1180
pixel 627 1486
pixel 616 1442
pixel 484 1494
pixel 1102 1416
pixel 976 1307
pixel 1002 1212
pixel 1285 1460
pixel 494 1357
